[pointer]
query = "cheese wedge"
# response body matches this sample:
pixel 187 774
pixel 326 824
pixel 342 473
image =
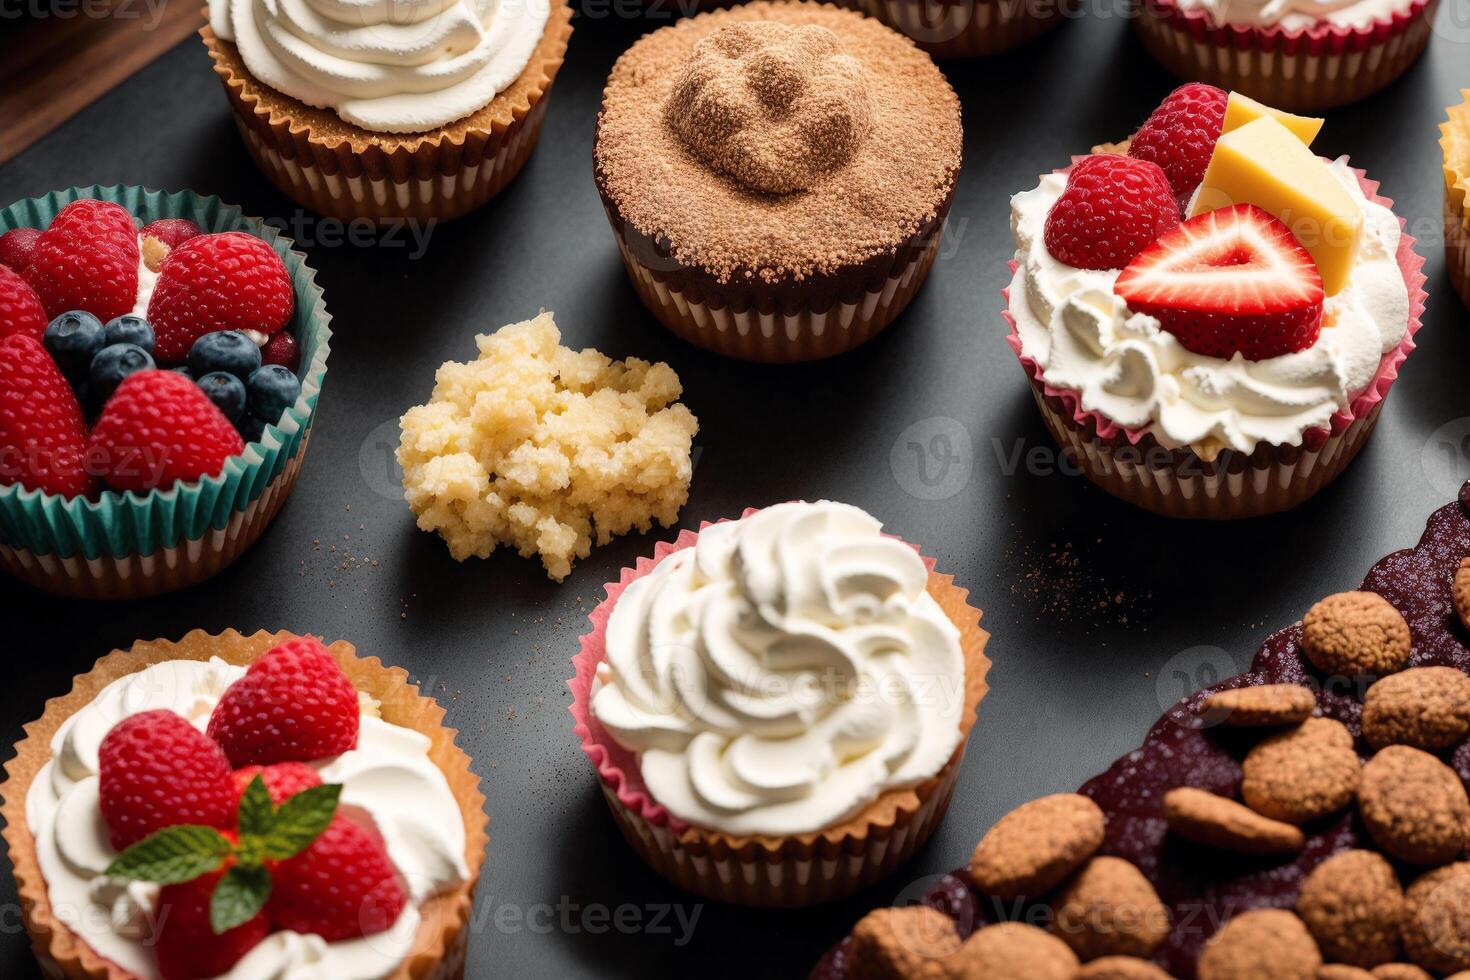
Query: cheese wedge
pixel 1265 164
pixel 1242 109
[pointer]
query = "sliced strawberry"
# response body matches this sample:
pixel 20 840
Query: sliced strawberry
pixel 158 429
pixel 20 309
pixel 1180 136
pixel 186 946
pixel 42 435
pixel 17 246
pixel 1229 281
pixel 342 886
pixel 230 281
pixel 87 260
pixel 1112 209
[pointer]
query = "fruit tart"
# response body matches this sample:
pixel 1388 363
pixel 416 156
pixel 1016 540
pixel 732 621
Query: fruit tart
pixel 1455 143
pixel 161 357
pixel 1211 315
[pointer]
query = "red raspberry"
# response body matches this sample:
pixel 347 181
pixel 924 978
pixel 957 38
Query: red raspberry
pixel 1180 136
pixel 87 260
pixel 231 281
pixel 42 436
pixel 294 704
pixel 20 308
pixel 1113 208
pixel 283 780
pixel 157 770
pixel 17 246
pixel 342 886
pixel 159 429
pixel 186 945
pixel 282 349
pixel 173 232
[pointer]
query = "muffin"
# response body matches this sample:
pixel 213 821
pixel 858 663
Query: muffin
pixel 1456 146
pixel 223 334
pixel 773 692
pixel 371 113
pixel 777 176
pixel 968 28
pixel 1299 56
pixel 80 798
pixel 1190 350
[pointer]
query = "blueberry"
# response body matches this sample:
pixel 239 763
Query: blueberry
pixel 112 365
pixel 226 391
pixel 272 389
pixel 129 329
pixel 227 350
pixel 74 339
pixel 251 429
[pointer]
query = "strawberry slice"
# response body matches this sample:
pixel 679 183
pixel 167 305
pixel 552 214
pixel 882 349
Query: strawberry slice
pixel 87 260
pixel 1232 281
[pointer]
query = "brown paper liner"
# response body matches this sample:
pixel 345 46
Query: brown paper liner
pixel 1455 142
pixel 968 28
pixel 438 951
pixel 341 171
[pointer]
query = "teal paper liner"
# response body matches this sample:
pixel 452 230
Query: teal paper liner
pixel 122 524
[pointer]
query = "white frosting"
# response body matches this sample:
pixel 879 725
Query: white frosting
pixel 783 673
pixel 147 282
pixel 389 774
pixel 1294 15
pixel 391 66
pixel 1126 366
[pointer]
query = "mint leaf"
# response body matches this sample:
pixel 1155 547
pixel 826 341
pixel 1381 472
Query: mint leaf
pixel 172 856
pixel 238 898
pixel 299 821
pixel 257 812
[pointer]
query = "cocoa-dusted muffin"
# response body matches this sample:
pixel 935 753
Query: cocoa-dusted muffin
pixel 777 176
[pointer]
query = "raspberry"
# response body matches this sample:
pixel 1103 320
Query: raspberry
pixel 1180 136
pixel 1113 208
pixel 157 770
pixel 17 246
pixel 341 887
pixel 87 260
pixel 20 308
pixel 42 436
pixel 186 946
pixel 159 429
pixel 173 232
pixel 282 349
pixel 231 281
pixel 283 780
pixel 293 705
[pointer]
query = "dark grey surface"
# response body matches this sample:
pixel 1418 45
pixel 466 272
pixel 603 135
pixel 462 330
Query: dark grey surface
pixel 1100 613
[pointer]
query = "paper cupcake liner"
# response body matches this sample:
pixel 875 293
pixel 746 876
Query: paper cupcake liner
pixel 1455 142
pixel 1313 68
pixel 969 28
pixel 438 950
pixel 386 177
pixel 132 544
pixel 1131 464
pixel 798 870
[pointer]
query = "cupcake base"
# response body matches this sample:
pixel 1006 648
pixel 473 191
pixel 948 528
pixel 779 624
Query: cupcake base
pixel 968 28
pixel 1457 248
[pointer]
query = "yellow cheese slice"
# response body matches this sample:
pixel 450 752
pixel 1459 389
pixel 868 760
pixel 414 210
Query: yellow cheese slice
pixel 1242 109
pixel 1263 163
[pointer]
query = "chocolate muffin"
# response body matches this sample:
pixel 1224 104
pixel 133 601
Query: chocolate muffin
pixel 777 176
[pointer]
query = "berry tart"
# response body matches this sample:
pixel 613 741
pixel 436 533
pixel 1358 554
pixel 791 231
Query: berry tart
pixel 827 716
pixel 1307 820
pixel 1303 55
pixel 386 112
pixel 1455 142
pixel 1210 314
pixel 777 176
pixel 159 829
pixel 157 386
pixel 969 28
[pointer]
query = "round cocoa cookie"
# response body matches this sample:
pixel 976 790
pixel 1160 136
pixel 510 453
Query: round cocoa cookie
pixel 1109 909
pixel 1261 943
pixel 1033 848
pixel 1261 706
pixel 1206 818
pixel 1414 805
pixel 1302 774
pixel 1354 908
pixel 902 943
pixel 1120 968
pixel 1461 592
pixel 1356 633
pixel 1399 971
pixel 1426 707
pixel 1437 919
pixel 1012 951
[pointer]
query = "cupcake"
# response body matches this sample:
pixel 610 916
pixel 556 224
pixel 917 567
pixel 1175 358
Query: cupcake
pixel 1211 315
pixel 777 706
pixel 1299 55
pixel 161 357
pixel 968 28
pixel 777 176
pixel 384 112
pixel 156 751
pixel 1456 145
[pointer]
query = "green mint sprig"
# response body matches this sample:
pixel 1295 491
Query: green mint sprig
pixel 175 855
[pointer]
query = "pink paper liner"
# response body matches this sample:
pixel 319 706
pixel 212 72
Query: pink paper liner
pixel 1104 429
pixel 1318 39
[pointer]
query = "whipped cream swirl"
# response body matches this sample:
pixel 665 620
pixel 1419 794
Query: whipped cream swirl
pixel 1295 15
pixel 1126 366
pixel 783 673
pixel 390 66
pixel 389 774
